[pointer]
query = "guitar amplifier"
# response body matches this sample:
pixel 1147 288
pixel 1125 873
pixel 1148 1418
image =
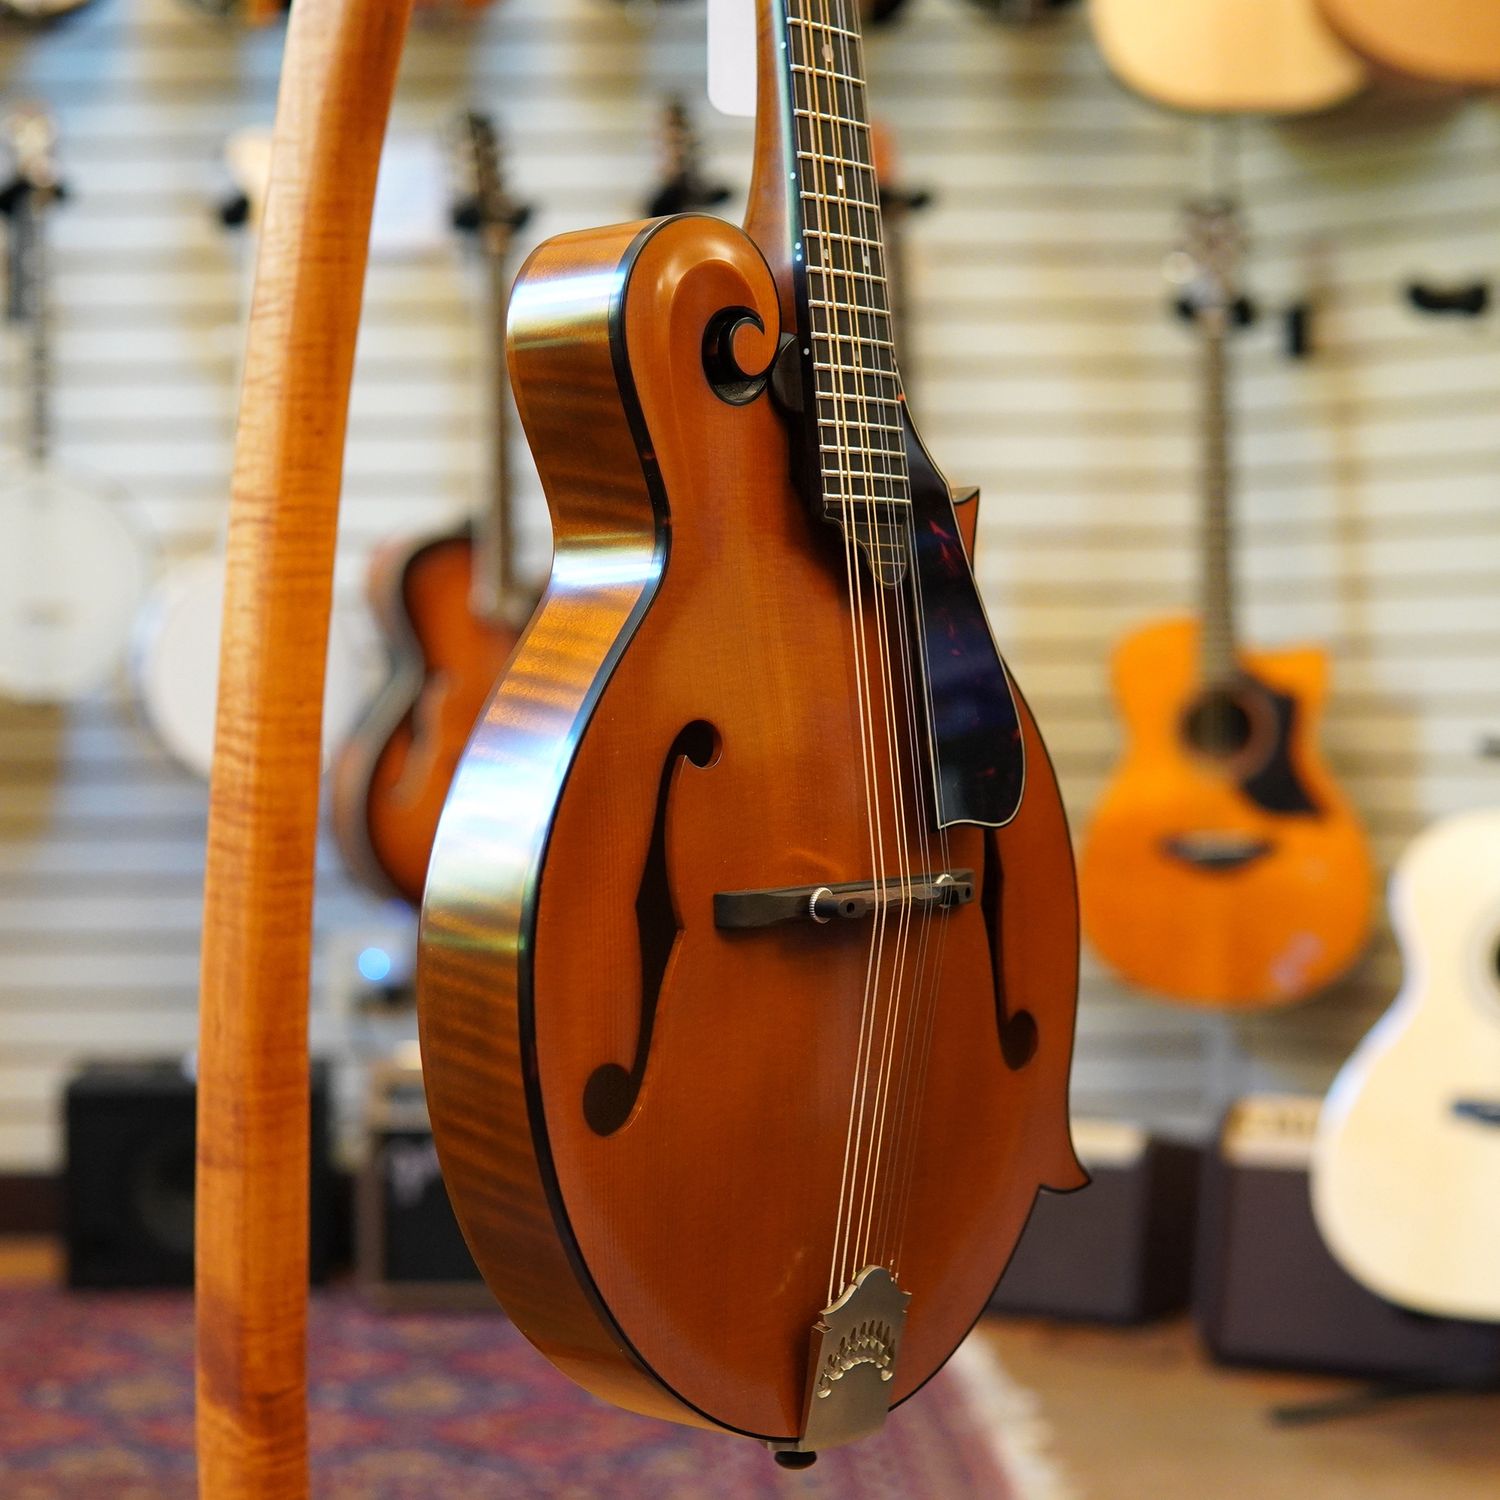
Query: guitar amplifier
pixel 1119 1250
pixel 131 1133
pixel 410 1251
pixel 1269 1293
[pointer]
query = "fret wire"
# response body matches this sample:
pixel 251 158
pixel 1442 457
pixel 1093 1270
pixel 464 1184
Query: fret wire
pixel 848 78
pixel 852 239
pixel 830 336
pixel 832 119
pixel 855 370
pixel 871 276
pixel 823 26
pixel 847 162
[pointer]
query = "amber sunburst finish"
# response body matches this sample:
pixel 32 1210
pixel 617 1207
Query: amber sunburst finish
pixel 673 1139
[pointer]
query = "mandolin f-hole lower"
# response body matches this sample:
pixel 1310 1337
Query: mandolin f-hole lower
pixel 1019 1037
pixel 610 1096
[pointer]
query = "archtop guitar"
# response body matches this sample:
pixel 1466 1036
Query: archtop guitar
pixel 748 959
pixel 449 605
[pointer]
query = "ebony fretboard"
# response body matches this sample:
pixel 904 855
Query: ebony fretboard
pixel 841 251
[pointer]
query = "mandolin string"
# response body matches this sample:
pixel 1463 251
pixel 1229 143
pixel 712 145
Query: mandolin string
pixel 862 684
pixel 847 115
pixel 890 1130
pixel 856 440
pixel 867 1117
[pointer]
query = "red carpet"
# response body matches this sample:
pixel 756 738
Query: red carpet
pixel 96 1401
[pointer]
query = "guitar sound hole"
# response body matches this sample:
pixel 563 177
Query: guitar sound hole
pixel 1218 725
pixel 611 1093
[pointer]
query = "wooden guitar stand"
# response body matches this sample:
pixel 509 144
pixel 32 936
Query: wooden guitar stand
pixel 252 1196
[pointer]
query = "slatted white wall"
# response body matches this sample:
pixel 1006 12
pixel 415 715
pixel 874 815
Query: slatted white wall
pixel 1042 366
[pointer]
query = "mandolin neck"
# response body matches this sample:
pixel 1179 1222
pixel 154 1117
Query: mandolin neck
pixel 815 211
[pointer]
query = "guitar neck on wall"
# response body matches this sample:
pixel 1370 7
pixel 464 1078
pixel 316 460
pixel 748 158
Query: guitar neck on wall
pixel 72 566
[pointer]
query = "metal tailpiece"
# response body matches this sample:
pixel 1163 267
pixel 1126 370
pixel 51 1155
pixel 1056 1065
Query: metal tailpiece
pixel 852 1363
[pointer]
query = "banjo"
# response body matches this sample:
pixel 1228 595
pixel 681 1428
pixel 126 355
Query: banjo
pixel 174 656
pixel 72 567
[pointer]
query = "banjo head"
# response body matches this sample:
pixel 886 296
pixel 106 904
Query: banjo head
pixel 73 571
pixel 175 664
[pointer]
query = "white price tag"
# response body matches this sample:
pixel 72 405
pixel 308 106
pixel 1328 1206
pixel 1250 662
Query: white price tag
pixel 731 56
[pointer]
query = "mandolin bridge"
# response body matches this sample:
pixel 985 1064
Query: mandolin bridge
pixel 826 904
pixel 852 1363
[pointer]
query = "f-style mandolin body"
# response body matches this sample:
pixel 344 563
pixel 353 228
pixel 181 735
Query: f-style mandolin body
pixel 643 1115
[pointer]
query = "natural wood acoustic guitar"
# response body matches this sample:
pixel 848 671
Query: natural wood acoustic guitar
pixel 1447 41
pixel 748 959
pixel 450 608
pixel 1276 57
pixel 1223 865
pixel 1407 1152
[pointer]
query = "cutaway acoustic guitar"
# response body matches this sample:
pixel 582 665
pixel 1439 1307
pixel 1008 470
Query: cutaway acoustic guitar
pixel 1407 1154
pixel 749 950
pixel 450 608
pixel 1223 866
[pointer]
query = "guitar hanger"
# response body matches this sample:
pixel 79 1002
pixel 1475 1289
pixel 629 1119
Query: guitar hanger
pixel 337 81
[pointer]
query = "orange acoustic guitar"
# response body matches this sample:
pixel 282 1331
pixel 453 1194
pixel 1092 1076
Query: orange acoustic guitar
pixel 1445 41
pixel 749 949
pixel 451 611
pixel 1223 866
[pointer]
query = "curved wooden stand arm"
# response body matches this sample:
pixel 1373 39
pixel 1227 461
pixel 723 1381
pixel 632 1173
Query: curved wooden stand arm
pixel 252 1210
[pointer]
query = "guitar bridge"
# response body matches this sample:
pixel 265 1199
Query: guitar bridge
pixel 852 1362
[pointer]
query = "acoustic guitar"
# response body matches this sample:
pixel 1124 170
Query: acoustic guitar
pixel 450 609
pixel 1223 865
pixel 1277 57
pixel 1407 1152
pixel 1448 41
pixel 749 953
pixel 73 567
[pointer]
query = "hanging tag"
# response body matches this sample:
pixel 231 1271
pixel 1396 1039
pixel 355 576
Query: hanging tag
pixel 731 57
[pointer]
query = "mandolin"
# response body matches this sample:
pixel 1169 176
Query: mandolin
pixel 1407 1151
pixel 684 185
pixel 748 959
pixel 1223 865
pixel 1277 57
pixel 450 609
pixel 1449 41
pixel 72 566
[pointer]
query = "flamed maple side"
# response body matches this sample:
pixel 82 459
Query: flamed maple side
pixel 642 1117
pixel 337 79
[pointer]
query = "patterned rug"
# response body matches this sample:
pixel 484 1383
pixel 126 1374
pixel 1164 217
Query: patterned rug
pixel 96 1401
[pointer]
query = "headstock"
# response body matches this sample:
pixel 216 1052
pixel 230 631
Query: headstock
pixel 31 134
pixel 683 186
pixel 1205 267
pixel 486 206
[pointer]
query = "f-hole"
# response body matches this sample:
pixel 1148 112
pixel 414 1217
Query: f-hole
pixel 1018 1032
pixel 611 1093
